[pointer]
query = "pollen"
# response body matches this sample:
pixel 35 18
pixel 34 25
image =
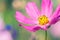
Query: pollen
pixel 43 20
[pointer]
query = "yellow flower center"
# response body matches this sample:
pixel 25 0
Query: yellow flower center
pixel 43 20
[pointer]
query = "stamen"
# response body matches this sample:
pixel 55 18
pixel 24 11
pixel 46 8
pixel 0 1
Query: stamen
pixel 43 20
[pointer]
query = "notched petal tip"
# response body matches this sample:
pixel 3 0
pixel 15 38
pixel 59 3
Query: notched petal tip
pixel 17 13
pixel 30 3
pixel 23 19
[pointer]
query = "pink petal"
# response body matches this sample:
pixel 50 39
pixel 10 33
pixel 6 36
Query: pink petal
pixel 32 10
pixel 55 29
pixel 57 11
pixel 56 15
pixel 21 18
pixel 47 7
pixel 31 28
pixel 45 27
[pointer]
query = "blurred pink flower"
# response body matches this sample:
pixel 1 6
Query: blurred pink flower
pixel 4 34
pixel 55 29
pixel 1 23
pixel 38 19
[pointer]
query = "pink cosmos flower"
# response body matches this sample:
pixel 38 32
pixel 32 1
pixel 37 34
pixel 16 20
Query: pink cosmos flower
pixel 39 19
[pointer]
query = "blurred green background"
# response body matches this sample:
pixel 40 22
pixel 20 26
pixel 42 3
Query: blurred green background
pixel 8 7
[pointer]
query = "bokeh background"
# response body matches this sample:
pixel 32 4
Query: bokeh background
pixel 8 9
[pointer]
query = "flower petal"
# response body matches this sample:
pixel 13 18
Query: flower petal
pixel 45 27
pixel 56 15
pixel 32 10
pixel 47 6
pixel 21 18
pixel 30 28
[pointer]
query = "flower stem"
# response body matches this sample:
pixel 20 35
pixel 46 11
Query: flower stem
pixel 46 35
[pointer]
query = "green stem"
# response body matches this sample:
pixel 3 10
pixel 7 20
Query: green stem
pixel 45 35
